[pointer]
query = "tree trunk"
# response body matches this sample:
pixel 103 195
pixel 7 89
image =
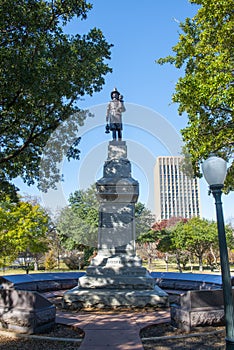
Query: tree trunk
pixel 149 262
pixel 200 263
pixel 166 261
pixel 36 264
pixel 191 265
pixel 178 263
pixel 214 256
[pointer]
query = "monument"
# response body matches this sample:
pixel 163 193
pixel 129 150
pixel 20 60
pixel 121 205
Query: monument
pixel 116 277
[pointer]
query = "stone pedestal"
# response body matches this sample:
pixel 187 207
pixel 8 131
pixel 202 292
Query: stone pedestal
pixel 116 276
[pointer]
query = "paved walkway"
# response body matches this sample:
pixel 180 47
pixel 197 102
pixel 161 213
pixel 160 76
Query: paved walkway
pixel 112 331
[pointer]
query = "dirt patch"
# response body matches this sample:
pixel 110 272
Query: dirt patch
pixel 59 331
pixel 168 337
pixel 63 331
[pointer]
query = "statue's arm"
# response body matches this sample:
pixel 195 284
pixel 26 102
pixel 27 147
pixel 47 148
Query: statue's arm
pixel 121 107
pixel 107 112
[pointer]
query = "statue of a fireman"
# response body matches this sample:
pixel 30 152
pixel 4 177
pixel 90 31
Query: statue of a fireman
pixel 114 112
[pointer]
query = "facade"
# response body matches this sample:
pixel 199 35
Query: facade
pixel 176 195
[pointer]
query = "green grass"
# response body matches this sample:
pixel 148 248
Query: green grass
pixel 156 265
pixel 19 271
pixel 160 266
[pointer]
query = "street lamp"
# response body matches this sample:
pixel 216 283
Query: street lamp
pixel 214 170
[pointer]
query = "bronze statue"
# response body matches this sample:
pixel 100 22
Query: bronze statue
pixel 114 115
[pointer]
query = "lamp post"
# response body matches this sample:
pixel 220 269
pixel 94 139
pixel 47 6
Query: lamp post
pixel 214 170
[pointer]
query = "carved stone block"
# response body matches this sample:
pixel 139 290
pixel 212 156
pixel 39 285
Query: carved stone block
pixel 198 308
pixel 25 312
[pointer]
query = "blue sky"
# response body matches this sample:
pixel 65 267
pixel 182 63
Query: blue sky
pixel 141 32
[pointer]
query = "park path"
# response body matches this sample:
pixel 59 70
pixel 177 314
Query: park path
pixel 112 330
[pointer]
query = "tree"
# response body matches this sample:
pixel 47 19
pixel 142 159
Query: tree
pixel 206 91
pixel 151 236
pixel 50 261
pixel 23 229
pixel 194 237
pixel 167 223
pixel 147 244
pixel 171 242
pixel 201 237
pixel 143 219
pixel 78 223
pixel 198 235
pixel 213 254
pixel 43 74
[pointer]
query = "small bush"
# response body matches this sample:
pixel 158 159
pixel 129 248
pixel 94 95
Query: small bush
pixel 50 261
pixel 74 261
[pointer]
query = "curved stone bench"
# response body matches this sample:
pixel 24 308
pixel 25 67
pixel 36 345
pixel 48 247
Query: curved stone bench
pixel 22 308
pixel 41 282
pixel 188 281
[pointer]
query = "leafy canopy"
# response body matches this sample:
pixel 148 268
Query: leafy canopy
pixel 43 74
pixel 78 223
pixel 195 237
pixel 23 227
pixel 143 219
pixel 206 91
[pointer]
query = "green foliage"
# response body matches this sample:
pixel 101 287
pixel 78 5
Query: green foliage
pixel 43 74
pixel 196 237
pixel 206 91
pixel 89 253
pixel 143 219
pixel 159 233
pixel 78 223
pixel 23 227
pixel 149 236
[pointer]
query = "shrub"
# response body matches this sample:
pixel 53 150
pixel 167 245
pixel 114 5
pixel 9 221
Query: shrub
pixel 74 261
pixel 50 261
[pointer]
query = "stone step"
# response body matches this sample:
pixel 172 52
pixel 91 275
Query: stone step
pixel 102 298
pixel 117 282
pixel 110 271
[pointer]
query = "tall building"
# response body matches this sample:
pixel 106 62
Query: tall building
pixel 176 195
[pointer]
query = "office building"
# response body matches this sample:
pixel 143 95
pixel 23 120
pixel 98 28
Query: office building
pixel 176 195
